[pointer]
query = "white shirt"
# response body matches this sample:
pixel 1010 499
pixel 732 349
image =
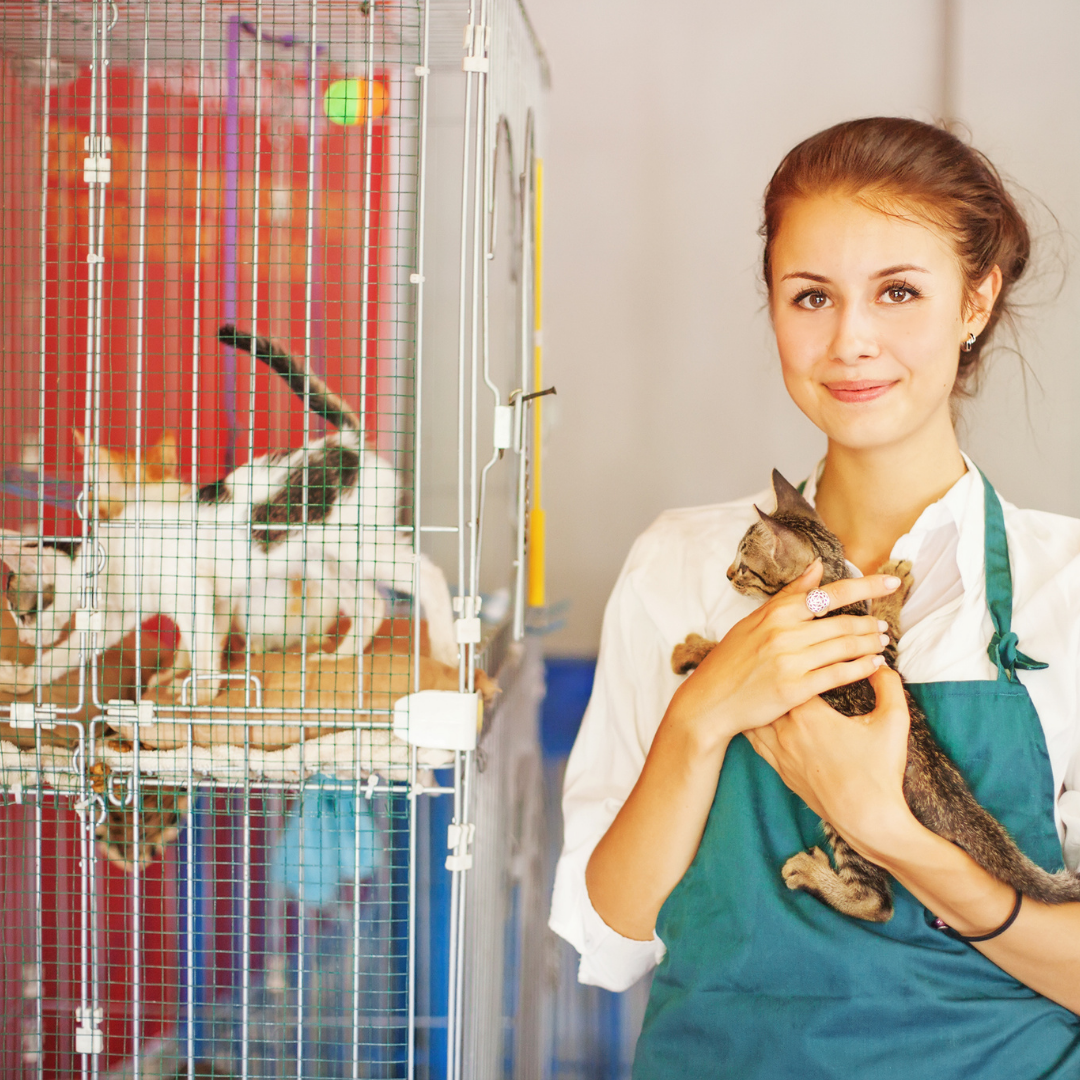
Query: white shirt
pixel 674 583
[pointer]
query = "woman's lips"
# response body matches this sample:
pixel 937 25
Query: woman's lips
pixel 864 390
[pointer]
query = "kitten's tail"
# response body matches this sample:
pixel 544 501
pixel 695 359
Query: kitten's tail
pixel 322 401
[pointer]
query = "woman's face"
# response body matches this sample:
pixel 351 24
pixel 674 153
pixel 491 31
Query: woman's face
pixel 869 315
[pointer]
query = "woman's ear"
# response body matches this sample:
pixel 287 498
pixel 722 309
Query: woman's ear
pixel 981 302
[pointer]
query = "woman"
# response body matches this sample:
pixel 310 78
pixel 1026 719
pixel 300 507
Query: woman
pixel 891 249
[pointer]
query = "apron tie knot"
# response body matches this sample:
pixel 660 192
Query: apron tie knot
pixel 1005 654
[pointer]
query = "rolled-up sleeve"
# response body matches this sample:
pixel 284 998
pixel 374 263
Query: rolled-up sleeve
pixel 631 691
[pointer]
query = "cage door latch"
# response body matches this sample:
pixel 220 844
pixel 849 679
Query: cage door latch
pixel 459 839
pixel 89 1038
pixel 125 713
pixel 25 714
pixel 438 719
pixel 97 166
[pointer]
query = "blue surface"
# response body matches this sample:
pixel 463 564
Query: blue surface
pixel 569 685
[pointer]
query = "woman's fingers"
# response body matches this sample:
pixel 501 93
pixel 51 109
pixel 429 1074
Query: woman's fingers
pixel 843 647
pixel 805 634
pixel 843 674
pixel 889 691
pixel 841 593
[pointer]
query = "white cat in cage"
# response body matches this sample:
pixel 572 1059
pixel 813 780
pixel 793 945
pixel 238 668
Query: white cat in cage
pixel 237 555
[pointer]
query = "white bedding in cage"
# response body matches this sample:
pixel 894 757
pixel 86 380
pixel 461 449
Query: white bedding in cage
pixel 356 753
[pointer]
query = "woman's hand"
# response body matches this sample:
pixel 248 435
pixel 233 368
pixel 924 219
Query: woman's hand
pixel 781 656
pixel 848 769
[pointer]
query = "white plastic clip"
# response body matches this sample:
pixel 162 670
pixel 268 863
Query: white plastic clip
pixel 89 621
pixel 439 719
pixel 476 42
pixel 420 71
pixel 89 1038
pixel 416 279
pixel 504 427
pixel 371 785
pixel 120 712
pixel 467 631
pixel 459 839
pixel 25 714
pixel 97 167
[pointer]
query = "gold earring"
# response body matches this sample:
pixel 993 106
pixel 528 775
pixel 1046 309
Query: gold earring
pixel 969 344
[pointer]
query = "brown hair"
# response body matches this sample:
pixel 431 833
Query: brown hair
pixel 890 161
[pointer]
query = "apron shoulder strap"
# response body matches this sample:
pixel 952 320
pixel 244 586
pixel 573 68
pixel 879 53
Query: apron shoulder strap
pixel 1003 648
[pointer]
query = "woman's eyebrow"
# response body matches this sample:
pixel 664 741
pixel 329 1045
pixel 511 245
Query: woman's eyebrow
pixel 806 274
pixel 900 268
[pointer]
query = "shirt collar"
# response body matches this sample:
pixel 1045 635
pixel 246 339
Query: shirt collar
pixel 960 507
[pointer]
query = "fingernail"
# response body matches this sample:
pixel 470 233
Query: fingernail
pixel 882 625
pixel 878 661
pixel 884 639
pixel 892 583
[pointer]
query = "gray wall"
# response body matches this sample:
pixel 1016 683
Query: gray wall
pixel 663 125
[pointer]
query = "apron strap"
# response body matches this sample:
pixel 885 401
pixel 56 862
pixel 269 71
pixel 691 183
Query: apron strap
pixel 1003 648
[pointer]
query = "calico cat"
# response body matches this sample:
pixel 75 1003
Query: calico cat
pixel 774 551
pixel 232 551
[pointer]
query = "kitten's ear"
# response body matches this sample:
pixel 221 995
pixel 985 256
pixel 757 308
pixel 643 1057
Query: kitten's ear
pixel 80 440
pixel 789 500
pixel 160 460
pixel 787 546
pixel 22 558
pixel 169 456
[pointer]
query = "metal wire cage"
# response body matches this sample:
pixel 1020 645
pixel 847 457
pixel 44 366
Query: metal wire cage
pixel 271 531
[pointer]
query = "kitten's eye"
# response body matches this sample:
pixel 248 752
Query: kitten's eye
pixel 811 300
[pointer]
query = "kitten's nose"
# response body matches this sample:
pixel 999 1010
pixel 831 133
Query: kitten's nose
pixel 731 572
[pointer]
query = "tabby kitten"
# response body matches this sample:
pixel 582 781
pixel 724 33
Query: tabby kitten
pixel 774 551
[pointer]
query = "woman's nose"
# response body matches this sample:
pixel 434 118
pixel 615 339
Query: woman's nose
pixel 855 339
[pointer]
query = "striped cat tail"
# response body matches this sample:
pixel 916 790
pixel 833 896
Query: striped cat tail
pixel 322 401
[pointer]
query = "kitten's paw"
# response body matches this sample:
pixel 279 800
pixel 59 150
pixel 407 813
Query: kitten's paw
pixel 900 568
pixel 810 871
pixel 16 679
pixel 688 654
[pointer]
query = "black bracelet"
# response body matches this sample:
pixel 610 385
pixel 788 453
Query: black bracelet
pixel 993 933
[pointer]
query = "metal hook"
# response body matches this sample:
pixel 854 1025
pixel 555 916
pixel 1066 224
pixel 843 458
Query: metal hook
pixel 538 393
pixel 115 16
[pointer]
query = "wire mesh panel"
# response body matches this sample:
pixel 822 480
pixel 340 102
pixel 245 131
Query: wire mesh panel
pixel 270 355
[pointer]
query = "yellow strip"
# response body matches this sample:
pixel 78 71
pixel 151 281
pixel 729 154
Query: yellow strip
pixel 537 591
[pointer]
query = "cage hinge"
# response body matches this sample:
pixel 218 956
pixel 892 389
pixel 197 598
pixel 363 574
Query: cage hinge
pixel 477 39
pixel 459 839
pixel 118 712
pixel 89 1038
pixel 25 714
pixel 89 621
pixel 97 167
pixel 439 719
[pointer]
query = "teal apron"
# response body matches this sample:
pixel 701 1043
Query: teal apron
pixel 762 983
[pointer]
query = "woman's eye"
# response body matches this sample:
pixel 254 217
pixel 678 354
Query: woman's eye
pixel 900 294
pixel 812 300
